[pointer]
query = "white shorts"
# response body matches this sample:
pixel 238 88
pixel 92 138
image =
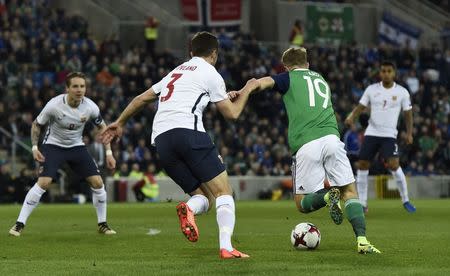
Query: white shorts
pixel 319 159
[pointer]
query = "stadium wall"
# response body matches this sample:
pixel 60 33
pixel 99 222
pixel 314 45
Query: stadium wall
pixel 248 187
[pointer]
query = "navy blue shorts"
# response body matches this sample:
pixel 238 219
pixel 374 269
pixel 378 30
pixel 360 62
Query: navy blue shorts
pixel 78 158
pixel 189 157
pixel 387 147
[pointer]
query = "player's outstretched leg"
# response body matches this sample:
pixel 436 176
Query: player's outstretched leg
pixel 99 201
pixel 362 183
pixel 400 180
pixel 225 210
pixel 312 202
pixel 221 189
pixel 30 202
pixel 315 201
pixel 355 215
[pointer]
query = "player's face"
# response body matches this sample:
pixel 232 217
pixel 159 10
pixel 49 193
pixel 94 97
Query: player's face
pixel 77 89
pixel 387 74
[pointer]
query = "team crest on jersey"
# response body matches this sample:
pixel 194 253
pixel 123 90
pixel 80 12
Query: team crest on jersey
pixel 394 98
pixel 83 119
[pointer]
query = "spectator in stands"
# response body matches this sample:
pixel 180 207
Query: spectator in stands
pixel 147 188
pixel 122 172
pixel 296 36
pixel 135 173
pixel 151 34
pixel 26 41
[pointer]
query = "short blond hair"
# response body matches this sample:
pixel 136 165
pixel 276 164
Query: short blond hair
pixel 294 56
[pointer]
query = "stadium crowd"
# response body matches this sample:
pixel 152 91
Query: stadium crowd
pixel 39 46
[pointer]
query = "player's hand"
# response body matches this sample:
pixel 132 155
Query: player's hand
pixel 349 121
pixel 409 139
pixel 110 162
pixel 38 156
pixel 233 95
pixel 112 131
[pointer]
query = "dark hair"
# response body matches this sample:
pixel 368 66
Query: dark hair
pixel 388 63
pixel 203 44
pixel 72 75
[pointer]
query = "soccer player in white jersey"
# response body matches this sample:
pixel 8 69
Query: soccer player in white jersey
pixel 386 99
pixel 186 151
pixel 66 116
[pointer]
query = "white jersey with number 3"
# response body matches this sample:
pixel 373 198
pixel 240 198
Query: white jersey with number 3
pixel 385 106
pixel 183 95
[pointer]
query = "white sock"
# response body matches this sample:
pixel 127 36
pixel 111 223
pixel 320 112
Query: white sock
pixel 199 204
pixel 30 202
pixel 362 186
pixel 225 220
pixel 400 179
pixel 99 201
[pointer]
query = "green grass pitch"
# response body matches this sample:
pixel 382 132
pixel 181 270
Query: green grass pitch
pixel 62 239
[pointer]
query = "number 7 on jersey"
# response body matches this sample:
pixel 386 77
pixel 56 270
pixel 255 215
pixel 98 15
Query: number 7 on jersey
pixel 171 86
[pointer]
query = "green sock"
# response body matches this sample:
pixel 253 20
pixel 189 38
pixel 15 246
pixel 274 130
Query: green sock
pixel 314 201
pixel 355 215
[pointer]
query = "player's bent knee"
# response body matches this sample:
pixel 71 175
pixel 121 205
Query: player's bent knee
pixel 348 191
pixel 393 164
pixel 219 185
pixel 95 181
pixel 44 182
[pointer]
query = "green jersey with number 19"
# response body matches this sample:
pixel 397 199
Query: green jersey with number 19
pixel 307 99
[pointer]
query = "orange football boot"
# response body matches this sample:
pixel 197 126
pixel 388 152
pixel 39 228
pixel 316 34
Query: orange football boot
pixel 225 254
pixel 187 222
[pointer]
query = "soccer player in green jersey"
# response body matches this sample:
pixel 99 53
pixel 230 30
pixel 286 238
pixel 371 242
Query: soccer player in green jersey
pixel 318 153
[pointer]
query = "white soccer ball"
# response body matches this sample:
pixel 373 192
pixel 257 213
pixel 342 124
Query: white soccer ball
pixel 305 236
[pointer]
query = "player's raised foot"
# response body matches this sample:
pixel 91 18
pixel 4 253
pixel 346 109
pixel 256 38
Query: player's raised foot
pixel 103 228
pixel 187 222
pixel 409 207
pixel 16 230
pixel 225 254
pixel 333 201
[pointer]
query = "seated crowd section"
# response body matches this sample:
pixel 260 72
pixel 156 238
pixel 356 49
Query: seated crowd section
pixel 39 46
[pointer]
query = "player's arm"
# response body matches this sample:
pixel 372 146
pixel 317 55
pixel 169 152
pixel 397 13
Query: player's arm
pixel 136 105
pixel 115 129
pixel 232 110
pixel 363 104
pixel 35 133
pixel 354 114
pixel 44 117
pixel 110 160
pixel 408 114
pixel 265 83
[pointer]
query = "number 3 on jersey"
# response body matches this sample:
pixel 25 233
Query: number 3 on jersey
pixel 171 86
pixel 317 86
